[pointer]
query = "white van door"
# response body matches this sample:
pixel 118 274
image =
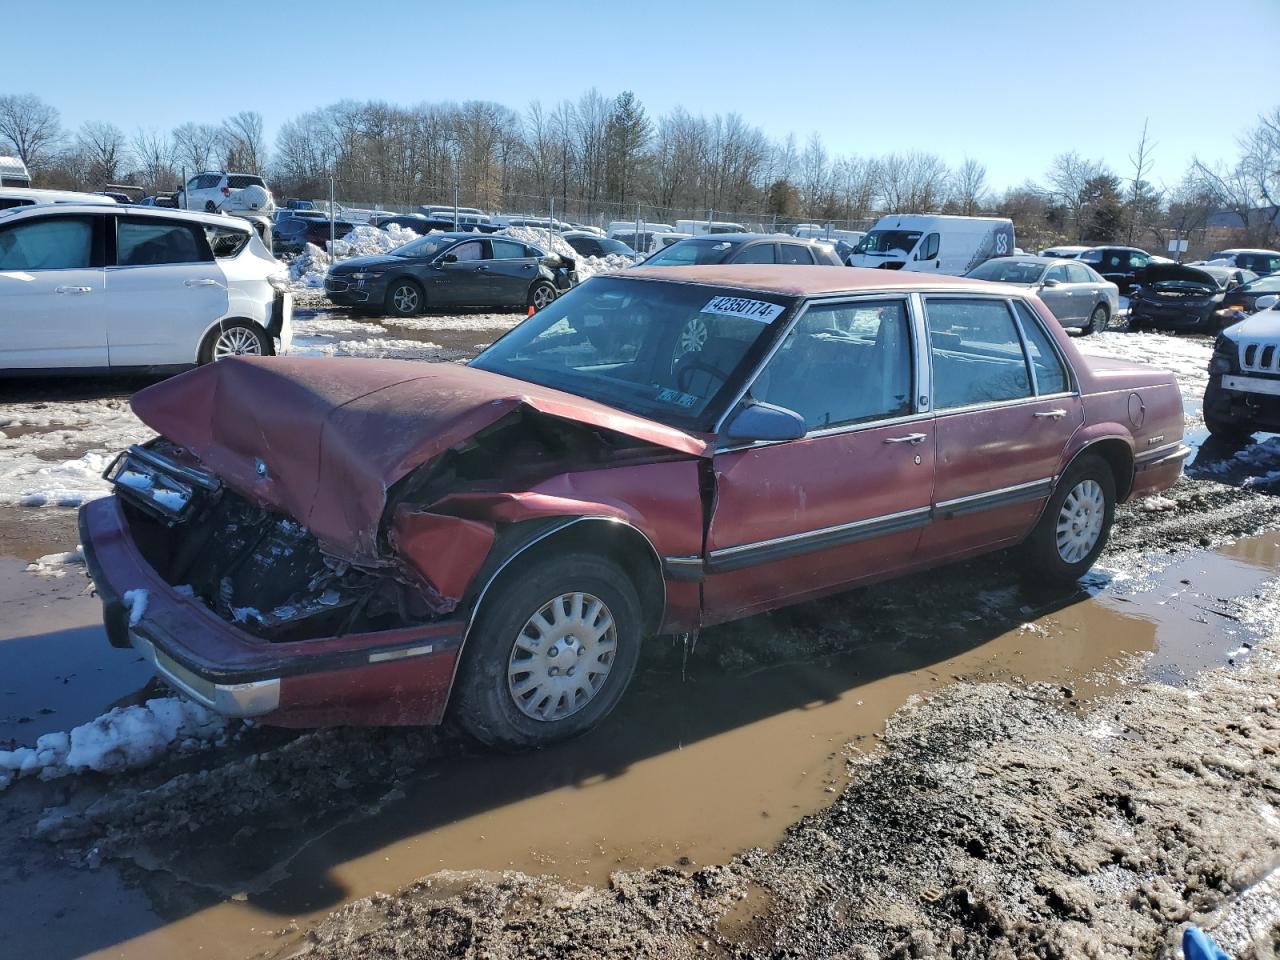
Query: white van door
pixel 163 292
pixel 51 294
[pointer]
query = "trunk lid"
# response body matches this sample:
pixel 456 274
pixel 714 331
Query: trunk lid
pixel 323 440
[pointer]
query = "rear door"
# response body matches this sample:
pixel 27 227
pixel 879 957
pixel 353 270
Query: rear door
pixel 512 268
pixel 52 288
pixel 1005 408
pixel 756 253
pixel 796 253
pixel 847 502
pixel 164 289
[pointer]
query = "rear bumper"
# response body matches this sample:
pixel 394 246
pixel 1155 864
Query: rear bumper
pixel 390 677
pixel 1159 469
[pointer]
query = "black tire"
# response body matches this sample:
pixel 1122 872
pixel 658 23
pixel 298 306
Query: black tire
pixel 1045 562
pixel 483 704
pixel 1136 325
pixel 209 207
pixel 1097 320
pixel 404 298
pixel 1223 425
pixel 234 328
pixel 541 293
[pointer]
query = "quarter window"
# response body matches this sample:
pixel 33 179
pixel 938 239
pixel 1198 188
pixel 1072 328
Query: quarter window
pixel 506 250
pixel 757 253
pixel 794 253
pixel 842 364
pixel 154 242
pixel 62 243
pixel 977 353
pixel 1051 375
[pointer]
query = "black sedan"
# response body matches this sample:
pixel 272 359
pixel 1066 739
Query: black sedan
pixel 455 269
pixel 587 244
pixel 1181 296
pixel 290 234
pixel 1244 298
pixel 744 248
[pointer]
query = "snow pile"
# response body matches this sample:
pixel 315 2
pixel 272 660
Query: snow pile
pixel 308 268
pixel 379 347
pixel 552 242
pixel 66 484
pixel 124 738
pixel 55 564
pixel 1262 460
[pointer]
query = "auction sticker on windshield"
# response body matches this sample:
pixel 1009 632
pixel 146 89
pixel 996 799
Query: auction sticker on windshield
pixel 740 307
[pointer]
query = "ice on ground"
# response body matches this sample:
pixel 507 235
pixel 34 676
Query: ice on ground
pixel 334 325
pixel 379 347
pixel 55 564
pixel 123 739
pixel 34 483
pixel 1261 459
pixel 476 321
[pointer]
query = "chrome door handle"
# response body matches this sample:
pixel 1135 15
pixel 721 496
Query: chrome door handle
pixel 909 438
pixel 201 282
pixel 73 290
pixel 1051 414
pixel 482 269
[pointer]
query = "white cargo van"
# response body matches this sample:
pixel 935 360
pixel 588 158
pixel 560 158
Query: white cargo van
pixel 928 243
pixel 630 226
pixel 700 228
pixel 648 241
pixel 815 231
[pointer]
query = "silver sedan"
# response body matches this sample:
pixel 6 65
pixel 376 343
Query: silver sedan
pixel 1077 295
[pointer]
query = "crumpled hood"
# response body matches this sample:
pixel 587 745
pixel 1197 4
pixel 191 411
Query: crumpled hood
pixel 322 440
pixel 1161 272
pixel 1263 325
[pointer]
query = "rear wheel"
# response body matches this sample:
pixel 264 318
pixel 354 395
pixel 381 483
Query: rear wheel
pixel 541 294
pixel 235 338
pixel 551 652
pixel 1097 320
pixel 1075 524
pixel 209 207
pixel 404 298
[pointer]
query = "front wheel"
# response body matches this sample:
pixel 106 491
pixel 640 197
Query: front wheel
pixel 1075 524
pixel 235 338
pixel 404 298
pixel 551 652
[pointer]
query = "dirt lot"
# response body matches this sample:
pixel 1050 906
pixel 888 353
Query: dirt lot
pixel 951 765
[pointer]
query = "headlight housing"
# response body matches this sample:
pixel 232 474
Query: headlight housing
pixel 1225 355
pixel 279 282
pixel 367 275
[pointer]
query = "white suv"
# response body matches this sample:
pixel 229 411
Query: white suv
pixel 227 193
pixel 112 289
pixel 1243 393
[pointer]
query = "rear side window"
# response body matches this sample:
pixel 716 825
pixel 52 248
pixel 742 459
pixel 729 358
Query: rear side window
pixel 1091 256
pixel 1078 273
pixel 62 243
pixel 153 242
pixel 794 253
pixel 1051 375
pixel 977 353
pixel 757 253
pixel 507 250
pixel 9 202
pixel 1138 260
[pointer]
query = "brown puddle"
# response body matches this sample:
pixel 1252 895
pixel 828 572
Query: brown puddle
pixel 691 772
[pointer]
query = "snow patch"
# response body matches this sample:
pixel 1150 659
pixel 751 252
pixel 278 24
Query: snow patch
pixel 135 601
pixel 1157 505
pixel 123 739
pixel 55 564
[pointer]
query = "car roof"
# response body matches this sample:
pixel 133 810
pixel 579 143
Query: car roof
pixel 793 280
pixel 130 210
pixel 745 237
pixel 1026 258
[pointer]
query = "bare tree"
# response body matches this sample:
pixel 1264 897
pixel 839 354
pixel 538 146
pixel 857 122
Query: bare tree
pixel 242 143
pixel 1144 200
pixel 969 187
pixel 103 145
pixel 1069 177
pixel 912 182
pixel 195 145
pixel 31 126
pixel 153 152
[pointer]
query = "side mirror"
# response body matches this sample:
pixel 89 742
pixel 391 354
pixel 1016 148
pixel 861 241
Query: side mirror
pixel 764 421
pixel 449 258
pixel 1050 283
pixel 1267 302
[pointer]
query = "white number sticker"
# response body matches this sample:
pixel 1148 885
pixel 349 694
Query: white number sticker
pixel 740 307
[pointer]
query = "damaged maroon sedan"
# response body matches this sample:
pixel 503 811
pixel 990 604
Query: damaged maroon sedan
pixel 318 542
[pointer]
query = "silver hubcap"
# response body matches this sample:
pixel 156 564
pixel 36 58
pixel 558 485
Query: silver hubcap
pixel 693 337
pixel 237 342
pixel 562 657
pixel 1080 521
pixel 542 296
pixel 406 299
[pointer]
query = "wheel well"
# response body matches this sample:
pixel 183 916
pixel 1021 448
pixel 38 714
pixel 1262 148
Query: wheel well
pixel 219 325
pixel 1118 457
pixel 605 536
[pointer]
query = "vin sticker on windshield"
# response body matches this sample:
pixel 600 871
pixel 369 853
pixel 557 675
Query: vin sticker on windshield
pixel 740 307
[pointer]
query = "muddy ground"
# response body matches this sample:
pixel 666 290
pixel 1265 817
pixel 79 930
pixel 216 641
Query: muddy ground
pixel 951 765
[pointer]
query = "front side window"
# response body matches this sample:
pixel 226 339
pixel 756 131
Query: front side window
pixel 673 352
pixel 929 247
pixel 795 253
pixel 1057 272
pixel 842 364
pixel 61 243
pixel 471 250
pixel 508 250
pixel 1051 375
pixel 152 242
pixel 977 353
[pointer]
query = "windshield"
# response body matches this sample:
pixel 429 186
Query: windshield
pixel 672 352
pixel 686 253
pixel 888 241
pixel 1008 271
pixel 427 246
pixel 1264 285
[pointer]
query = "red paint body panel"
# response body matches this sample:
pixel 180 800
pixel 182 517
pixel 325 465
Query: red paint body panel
pixel 409 692
pixel 334 437
pixel 445 551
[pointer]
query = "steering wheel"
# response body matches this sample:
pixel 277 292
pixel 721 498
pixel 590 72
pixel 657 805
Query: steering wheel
pixel 689 363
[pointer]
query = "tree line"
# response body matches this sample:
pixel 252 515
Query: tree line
pixel 598 158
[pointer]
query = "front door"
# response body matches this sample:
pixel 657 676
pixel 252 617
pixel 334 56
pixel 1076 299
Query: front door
pixel 163 292
pixel 847 502
pixel 512 271
pixel 1004 411
pixel 52 284
pixel 463 281
pixel 1059 295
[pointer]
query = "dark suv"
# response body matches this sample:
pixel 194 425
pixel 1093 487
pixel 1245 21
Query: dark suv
pixel 1120 265
pixel 745 248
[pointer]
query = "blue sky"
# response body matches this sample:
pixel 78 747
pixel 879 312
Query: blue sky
pixel 1012 84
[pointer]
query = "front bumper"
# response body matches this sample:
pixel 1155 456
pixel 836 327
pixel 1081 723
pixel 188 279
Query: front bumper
pixel 346 292
pixel 1199 317
pixel 1246 399
pixel 397 676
